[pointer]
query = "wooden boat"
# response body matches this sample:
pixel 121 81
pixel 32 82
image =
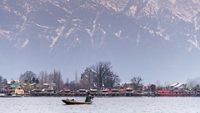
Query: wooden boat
pixel 74 102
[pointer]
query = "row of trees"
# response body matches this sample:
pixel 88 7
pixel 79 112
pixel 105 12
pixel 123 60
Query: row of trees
pixel 99 76
pixel 96 76
pixel 54 78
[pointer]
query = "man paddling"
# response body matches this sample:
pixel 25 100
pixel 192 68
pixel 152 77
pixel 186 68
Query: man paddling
pixel 88 97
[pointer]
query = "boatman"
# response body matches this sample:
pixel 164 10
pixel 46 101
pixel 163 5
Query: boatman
pixel 88 97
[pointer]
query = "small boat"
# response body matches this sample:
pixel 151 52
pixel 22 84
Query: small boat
pixel 74 102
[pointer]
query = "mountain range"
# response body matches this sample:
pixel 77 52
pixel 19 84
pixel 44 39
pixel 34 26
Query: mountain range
pixel 139 34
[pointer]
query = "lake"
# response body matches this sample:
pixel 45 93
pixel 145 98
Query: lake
pixel 102 105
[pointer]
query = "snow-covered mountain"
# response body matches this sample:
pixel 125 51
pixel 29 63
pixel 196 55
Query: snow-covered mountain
pixel 71 23
pixel 157 39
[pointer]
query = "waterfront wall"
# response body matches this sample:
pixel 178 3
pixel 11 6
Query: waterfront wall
pixel 99 94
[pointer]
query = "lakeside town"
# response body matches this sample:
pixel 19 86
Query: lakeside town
pixel 15 88
pixel 99 79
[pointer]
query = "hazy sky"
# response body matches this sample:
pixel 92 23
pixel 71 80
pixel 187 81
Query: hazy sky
pixel 69 35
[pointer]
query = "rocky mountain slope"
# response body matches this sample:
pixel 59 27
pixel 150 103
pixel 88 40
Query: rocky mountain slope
pixel 74 23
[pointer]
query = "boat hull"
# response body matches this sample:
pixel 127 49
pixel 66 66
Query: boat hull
pixel 73 102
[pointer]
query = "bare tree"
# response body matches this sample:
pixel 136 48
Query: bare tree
pixel 28 77
pixel 103 77
pixel 72 86
pixel 136 81
pixel 191 83
pixel 112 81
pixel 1 79
pixel 66 84
pixel 87 78
pixel 43 77
pixel 56 77
pixel 4 82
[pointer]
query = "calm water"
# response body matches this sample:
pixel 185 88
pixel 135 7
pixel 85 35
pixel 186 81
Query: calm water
pixel 102 105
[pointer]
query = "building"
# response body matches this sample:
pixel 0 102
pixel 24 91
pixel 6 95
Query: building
pixel 19 91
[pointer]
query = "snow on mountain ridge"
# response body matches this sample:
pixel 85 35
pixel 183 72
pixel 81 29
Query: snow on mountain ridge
pixel 66 18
